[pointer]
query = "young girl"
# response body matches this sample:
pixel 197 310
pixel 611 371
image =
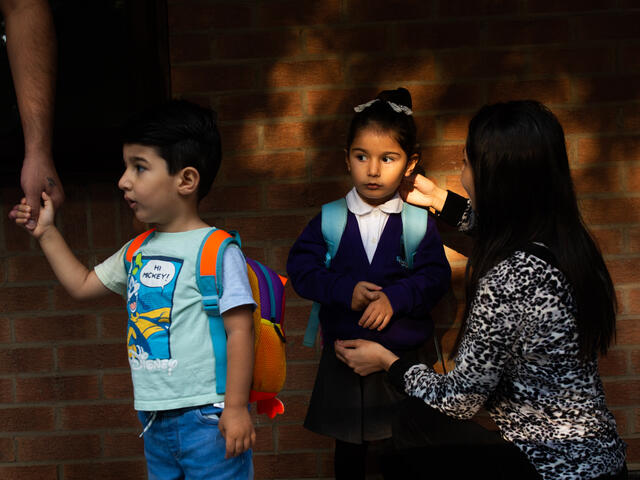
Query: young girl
pixel 540 308
pixel 369 291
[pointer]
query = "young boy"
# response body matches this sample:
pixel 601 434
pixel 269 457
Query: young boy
pixel 171 155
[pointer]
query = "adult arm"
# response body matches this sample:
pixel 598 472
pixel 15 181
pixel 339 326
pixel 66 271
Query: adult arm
pixel 32 51
pixel 309 276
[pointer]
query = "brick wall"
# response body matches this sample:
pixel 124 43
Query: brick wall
pixel 283 76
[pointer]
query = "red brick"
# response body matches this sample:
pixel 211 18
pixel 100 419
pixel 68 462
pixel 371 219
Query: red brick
pixel 633 450
pixel 620 416
pixel 28 473
pixel 614 363
pixel 63 301
pixel 454 127
pixel 6 390
pixel 259 106
pixel 232 199
pixel 527 32
pixel 552 61
pixel 462 8
pixel 68 447
pixel 292 465
pixel 300 376
pixel 304 73
pixel 446 97
pixel 635 363
pixel 22 360
pixel 295 407
pixel 57 389
pixel 630 59
pixel 602 211
pixel 437 35
pixel 26 419
pixel 189 48
pixel 97 356
pixel 304 135
pixel 296 317
pixel 337 100
pixel 610 241
pixel 211 78
pixel 622 392
pixel 238 137
pixel 73 217
pixel 599 179
pixel 28 268
pixel 604 89
pixel 609 149
pixel 366 70
pixel 555 6
pixel 579 120
pixel 631 117
pixel 387 10
pixel 271 227
pixel 117 385
pixel 5 330
pixel 103 199
pixel 264 439
pixel 305 195
pixel 104 470
pixel 296 437
pixel 468 64
pixel 7 450
pixel 20 299
pixel 628 332
pixel 264 168
pixel 442 158
pixel 289 12
pixel 123 444
pixel 632 176
pixel 624 270
pixel 257 44
pixel 84 417
pixel 114 325
pixel 296 351
pixel 347 39
pixel 606 26
pixel 634 302
pixel 545 91
pixel 48 329
pixel 329 163
pixel 190 15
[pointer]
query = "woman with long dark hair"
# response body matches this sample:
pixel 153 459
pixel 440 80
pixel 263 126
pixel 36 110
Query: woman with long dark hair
pixel 540 307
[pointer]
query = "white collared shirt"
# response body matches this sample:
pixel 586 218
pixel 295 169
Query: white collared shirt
pixel 371 220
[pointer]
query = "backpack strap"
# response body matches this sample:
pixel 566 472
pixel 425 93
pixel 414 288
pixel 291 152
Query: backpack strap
pixel 209 280
pixel 414 227
pixel 134 245
pixel 333 223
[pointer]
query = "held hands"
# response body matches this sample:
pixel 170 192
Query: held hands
pixel 421 191
pixel 369 297
pixel 237 429
pixel 364 356
pixel 23 215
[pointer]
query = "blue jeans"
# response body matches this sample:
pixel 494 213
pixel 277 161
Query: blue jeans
pixel 186 444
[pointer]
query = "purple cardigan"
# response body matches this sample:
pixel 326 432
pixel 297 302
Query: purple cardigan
pixel 412 293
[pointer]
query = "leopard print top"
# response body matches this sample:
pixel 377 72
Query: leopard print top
pixel 519 359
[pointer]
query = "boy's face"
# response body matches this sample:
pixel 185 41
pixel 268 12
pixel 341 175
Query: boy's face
pixel 148 187
pixel 377 163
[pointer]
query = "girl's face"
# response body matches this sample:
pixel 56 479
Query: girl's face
pixel 377 165
pixel 466 178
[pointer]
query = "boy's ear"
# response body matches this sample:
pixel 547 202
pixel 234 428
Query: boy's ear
pixel 188 180
pixel 411 164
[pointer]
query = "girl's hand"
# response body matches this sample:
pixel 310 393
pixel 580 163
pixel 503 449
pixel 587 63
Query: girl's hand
pixel 421 191
pixel 363 294
pixel 22 214
pixel 363 356
pixel 377 314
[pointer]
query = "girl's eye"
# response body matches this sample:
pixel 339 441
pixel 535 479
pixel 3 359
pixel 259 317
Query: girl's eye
pixel 361 157
pixel 387 159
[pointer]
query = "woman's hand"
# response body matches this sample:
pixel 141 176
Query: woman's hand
pixel 363 356
pixel 421 191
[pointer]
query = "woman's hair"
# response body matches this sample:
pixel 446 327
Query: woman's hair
pixel 381 115
pixel 523 194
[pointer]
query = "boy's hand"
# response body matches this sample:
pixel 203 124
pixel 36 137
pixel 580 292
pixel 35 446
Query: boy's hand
pixel 22 215
pixel 377 314
pixel 237 429
pixel 363 294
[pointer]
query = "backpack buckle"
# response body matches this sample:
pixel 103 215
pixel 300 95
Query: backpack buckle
pixel 211 306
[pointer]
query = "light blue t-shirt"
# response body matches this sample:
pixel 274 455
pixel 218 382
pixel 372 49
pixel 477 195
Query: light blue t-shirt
pixel 168 340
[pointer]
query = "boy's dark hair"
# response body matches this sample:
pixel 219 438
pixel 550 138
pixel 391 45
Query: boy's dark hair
pixel 184 135
pixel 382 116
pixel 523 194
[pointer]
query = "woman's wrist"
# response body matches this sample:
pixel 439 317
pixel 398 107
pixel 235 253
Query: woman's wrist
pixel 387 359
pixel 439 198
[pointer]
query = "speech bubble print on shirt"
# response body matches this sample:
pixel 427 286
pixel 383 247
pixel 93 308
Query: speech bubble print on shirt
pixel 157 273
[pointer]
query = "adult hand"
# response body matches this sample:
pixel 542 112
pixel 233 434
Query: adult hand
pixel 39 175
pixel 377 314
pixel 364 356
pixel 363 294
pixel 419 190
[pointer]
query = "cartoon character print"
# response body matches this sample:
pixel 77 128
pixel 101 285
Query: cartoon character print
pixel 150 289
